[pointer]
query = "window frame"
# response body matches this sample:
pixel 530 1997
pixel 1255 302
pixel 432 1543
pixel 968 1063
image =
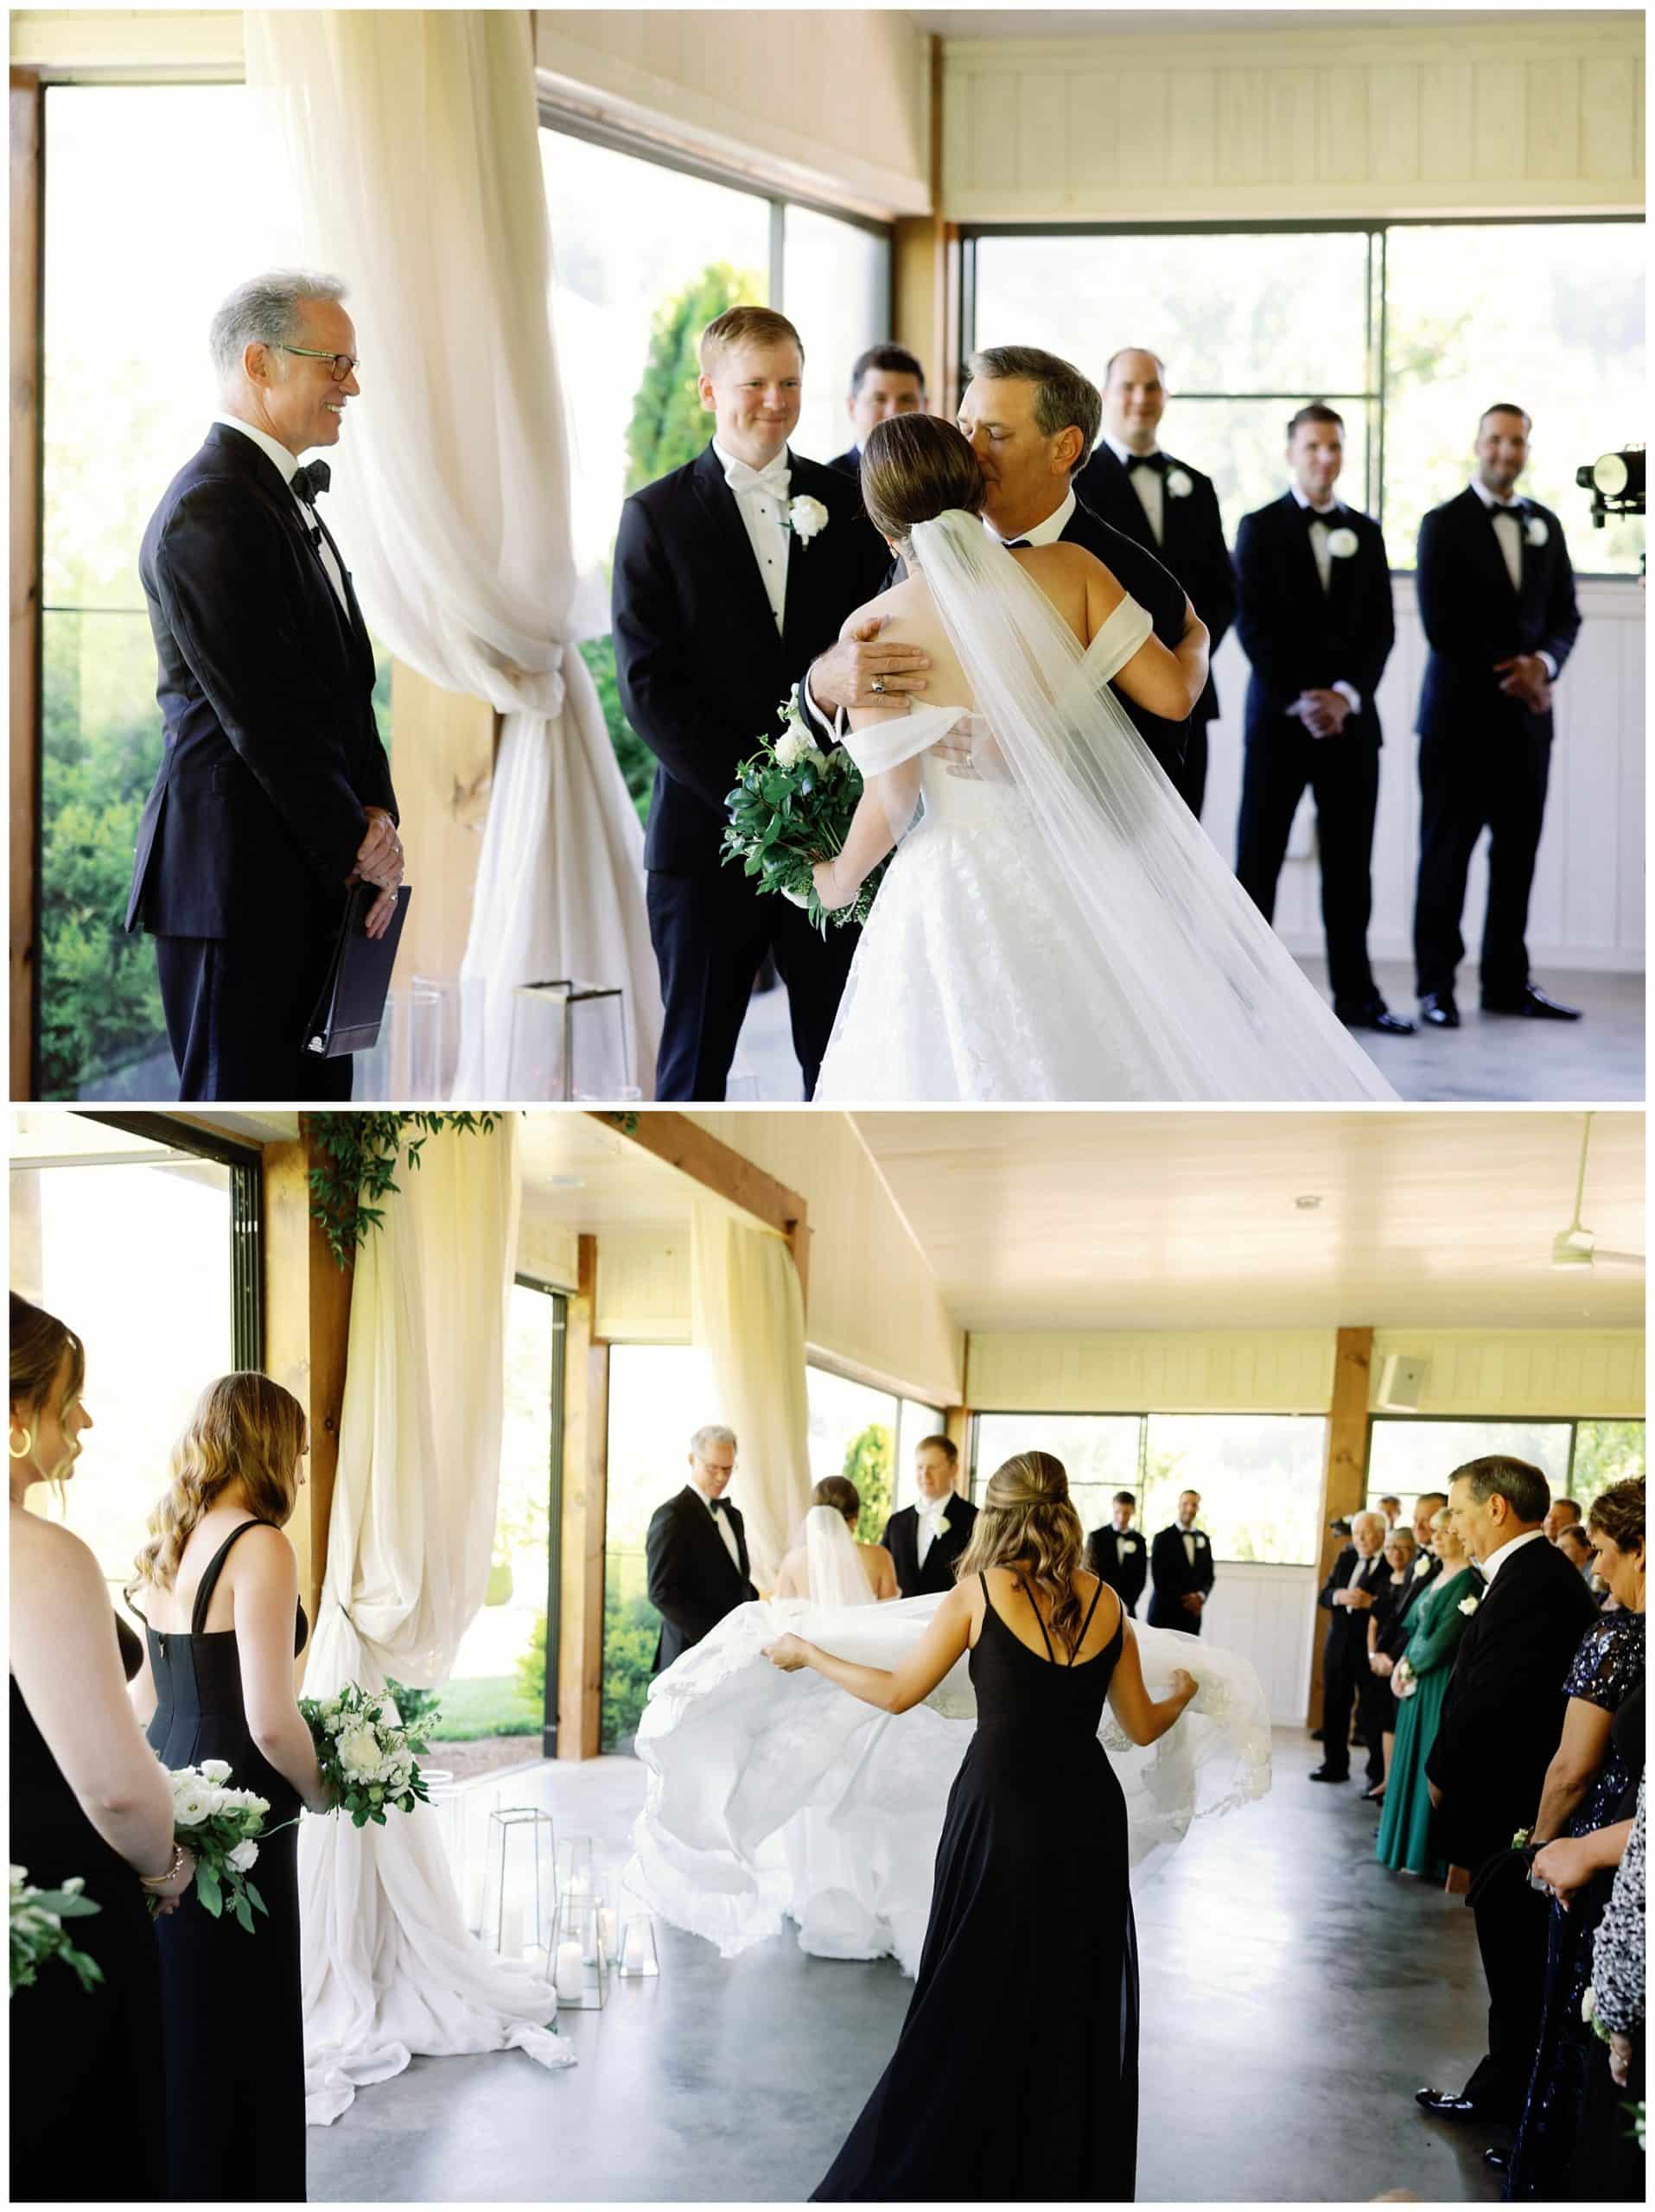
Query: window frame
pixel 556 1385
pixel 1570 1421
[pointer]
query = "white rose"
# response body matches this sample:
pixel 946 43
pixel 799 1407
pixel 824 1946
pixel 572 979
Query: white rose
pixel 216 1770
pixel 1589 2005
pixel 806 518
pixel 1467 1605
pixel 359 1752
pixel 74 1886
pixel 191 1807
pixel 1179 486
pixel 791 747
pixel 1342 544
pixel 244 1857
pixel 1537 533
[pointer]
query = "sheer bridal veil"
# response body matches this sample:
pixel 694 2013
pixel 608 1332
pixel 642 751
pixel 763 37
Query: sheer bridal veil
pixel 837 1574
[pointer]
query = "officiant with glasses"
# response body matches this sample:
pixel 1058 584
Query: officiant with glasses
pixel 274 794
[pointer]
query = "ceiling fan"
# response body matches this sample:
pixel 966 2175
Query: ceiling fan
pixel 1576 1247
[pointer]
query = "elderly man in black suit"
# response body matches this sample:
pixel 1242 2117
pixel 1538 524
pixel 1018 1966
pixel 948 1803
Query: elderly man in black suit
pixel 1502 1721
pixel 1180 1560
pixel 1358 1578
pixel 274 793
pixel 1117 1555
pixel 1170 509
pixel 1315 620
pixel 1497 598
pixel 924 1540
pixel 695 1550
pixel 886 380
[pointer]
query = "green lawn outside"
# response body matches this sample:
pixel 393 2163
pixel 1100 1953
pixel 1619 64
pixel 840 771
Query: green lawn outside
pixel 488 1705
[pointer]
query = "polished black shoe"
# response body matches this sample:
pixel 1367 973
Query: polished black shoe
pixel 1315 1735
pixel 1535 1005
pixel 1329 1774
pixel 1375 1015
pixel 1438 1011
pixel 1448 2104
pixel 1500 2160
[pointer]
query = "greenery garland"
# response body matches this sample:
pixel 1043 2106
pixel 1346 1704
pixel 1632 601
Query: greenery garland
pixel 362 1154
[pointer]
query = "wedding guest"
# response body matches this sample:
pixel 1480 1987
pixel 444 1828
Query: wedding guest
pixel 1502 1722
pixel 1392 1508
pixel 1616 2173
pixel 1375 1706
pixel 1354 1581
pixel 1419 1683
pixel 1117 1555
pixel 1563 1512
pixel 696 1549
pixel 88 1805
pixel 1180 1560
pixel 885 380
pixel 274 793
pixel 927 1541
pixel 1315 620
pixel 841 1494
pixel 218 1591
pixel 1497 598
pixel 1575 1544
pixel 720 602
pixel 1171 510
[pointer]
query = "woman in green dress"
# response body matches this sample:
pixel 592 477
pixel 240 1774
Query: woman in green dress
pixel 1405 1823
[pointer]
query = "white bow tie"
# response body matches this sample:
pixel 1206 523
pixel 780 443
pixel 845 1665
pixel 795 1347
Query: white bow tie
pixel 774 478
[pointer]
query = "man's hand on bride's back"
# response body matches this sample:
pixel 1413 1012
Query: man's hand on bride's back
pixel 847 674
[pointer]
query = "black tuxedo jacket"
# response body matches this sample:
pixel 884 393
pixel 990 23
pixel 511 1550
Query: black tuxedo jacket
pixel 1298 637
pixel 1192 543
pixel 700 665
pixel 1398 1625
pixel 265 687
pixel 902 1541
pixel 848 464
pixel 1503 1713
pixel 1472 618
pixel 1121 1562
pixel 693 1582
pixel 1347 1630
pixel 1174 1577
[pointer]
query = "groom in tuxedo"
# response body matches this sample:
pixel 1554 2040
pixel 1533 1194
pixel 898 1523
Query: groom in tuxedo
pixel 274 793
pixel 1172 511
pixel 1497 598
pixel 1315 621
pixel 729 573
pixel 926 1541
pixel 695 1550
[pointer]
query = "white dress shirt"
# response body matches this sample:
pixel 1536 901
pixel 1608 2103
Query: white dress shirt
pixel 1043 533
pixel 288 463
pixel 726 1528
pixel 1149 484
pixel 763 513
pixel 932 1512
pixel 1510 525
pixel 1328 521
pixel 1491 1566
pixel 1188 1536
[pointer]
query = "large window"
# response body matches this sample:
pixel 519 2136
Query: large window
pixel 1410 330
pixel 1577 1457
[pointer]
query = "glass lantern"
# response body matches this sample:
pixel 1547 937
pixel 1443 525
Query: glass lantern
pixel 569 1041
pixel 638 1960
pixel 577 1964
pixel 521 1880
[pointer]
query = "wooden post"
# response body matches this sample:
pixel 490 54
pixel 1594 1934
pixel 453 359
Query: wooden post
pixel 1344 1475
pixel 28 184
pixel 956 1427
pixel 927 273
pixel 585 1504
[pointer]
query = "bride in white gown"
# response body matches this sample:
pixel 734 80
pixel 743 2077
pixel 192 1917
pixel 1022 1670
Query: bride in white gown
pixel 1055 923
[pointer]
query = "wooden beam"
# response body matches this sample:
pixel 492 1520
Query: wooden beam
pixel 956 1427
pixel 442 746
pixel 1344 1474
pixel 27 188
pixel 683 1144
pixel 927 270
pixel 585 1507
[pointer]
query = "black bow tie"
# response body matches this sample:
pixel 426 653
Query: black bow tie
pixel 1155 460
pixel 1516 508
pixel 1312 514
pixel 308 482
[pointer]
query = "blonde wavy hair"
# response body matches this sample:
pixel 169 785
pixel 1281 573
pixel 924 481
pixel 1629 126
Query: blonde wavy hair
pixel 1026 1523
pixel 246 1429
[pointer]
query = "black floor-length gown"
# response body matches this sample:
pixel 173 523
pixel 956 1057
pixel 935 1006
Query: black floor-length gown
pixel 85 2121
pixel 234 2023
pixel 1015 2075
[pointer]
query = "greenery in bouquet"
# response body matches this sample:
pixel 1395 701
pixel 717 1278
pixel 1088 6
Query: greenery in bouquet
pixel 221 1827
pixel 366 1754
pixel 418 1711
pixel 38 1933
pixel 791 808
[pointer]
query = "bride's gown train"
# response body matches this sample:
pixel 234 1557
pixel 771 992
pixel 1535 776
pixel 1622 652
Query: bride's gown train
pixel 1061 926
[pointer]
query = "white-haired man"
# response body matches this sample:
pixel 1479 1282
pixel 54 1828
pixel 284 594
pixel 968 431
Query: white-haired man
pixel 274 793
pixel 1360 1574
pixel 695 1550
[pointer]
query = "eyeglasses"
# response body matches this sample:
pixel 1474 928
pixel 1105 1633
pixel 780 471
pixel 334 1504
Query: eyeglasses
pixel 345 365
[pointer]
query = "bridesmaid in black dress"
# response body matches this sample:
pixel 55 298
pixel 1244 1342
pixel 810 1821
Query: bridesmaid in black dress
pixel 218 1591
pixel 87 1798
pixel 1028 1977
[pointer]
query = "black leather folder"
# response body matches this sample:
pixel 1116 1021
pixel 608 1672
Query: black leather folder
pixel 353 1002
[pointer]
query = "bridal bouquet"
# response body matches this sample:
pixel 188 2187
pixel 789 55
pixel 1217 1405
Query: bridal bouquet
pixel 220 1826
pixel 38 1933
pixel 366 1754
pixel 791 808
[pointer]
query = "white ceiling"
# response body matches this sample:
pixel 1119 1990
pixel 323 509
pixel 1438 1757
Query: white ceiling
pixel 1140 23
pixel 1069 1221
pixel 586 1177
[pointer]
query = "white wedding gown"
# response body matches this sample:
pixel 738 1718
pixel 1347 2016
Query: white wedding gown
pixel 1060 927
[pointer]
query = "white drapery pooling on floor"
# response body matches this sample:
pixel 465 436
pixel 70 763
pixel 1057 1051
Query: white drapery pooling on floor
pixel 389 1968
pixel 747 1311
pixel 411 139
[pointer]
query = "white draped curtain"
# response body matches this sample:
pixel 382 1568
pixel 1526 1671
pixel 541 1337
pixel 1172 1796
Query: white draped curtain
pixel 747 1311
pixel 411 140
pixel 389 1968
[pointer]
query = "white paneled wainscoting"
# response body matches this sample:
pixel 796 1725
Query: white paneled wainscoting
pixel 1268 1614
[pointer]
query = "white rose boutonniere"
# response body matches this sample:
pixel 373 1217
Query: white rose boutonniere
pixel 1468 1605
pixel 1179 486
pixel 1536 531
pixel 1421 1564
pixel 1342 542
pixel 806 519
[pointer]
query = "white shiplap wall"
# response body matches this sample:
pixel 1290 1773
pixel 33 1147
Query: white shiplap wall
pixel 1523 1372
pixel 1266 1613
pixel 1282 1370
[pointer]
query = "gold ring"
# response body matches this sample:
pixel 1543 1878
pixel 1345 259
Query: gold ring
pixel 878 686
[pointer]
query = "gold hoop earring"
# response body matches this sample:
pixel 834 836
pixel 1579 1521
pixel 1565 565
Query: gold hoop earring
pixel 29 1442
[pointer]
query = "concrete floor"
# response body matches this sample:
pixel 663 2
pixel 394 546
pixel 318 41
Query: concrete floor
pixel 1489 1057
pixel 1294 1995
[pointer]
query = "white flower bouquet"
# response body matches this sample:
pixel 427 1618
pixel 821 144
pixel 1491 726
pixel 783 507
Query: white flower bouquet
pixel 220 1826
pixel 791 808
pixel 38 1933
pixel 1405 1682
pixel 366 1754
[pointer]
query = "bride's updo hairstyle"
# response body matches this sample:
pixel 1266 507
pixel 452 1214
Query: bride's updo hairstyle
pixel 1026 1523
pixel 842 1494
pixel 913 467
pixel 245 1428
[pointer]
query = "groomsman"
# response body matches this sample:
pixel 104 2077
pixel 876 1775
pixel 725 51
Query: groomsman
pixel 1181 1562
pixel 719 605
pixel 1496 597
pixel 695 1550
pixel 1172 509
pixel 924 1540
pixel 886 380
pixel 1117 1554
pixel 1315 620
